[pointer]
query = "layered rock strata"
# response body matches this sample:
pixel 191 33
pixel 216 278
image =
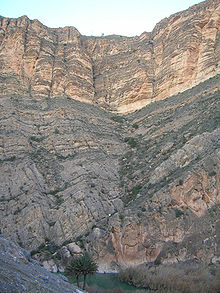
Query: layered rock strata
pixel 134 188
pixel 117 73
pixel 125 188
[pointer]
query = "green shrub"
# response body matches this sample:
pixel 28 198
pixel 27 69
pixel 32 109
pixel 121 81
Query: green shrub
pixel 121 217
pixel 181 182
pixel 135 126
pixel 48 248
pixel 10 159
pixel 67 242
pixel 59 200
pixel 56 131
pixel 36 138
pixel 131 141
pixel 212 173
pixel 178 213
pixel 135 190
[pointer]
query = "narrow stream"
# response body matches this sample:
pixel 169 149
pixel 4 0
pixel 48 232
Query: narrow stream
pixel 107 282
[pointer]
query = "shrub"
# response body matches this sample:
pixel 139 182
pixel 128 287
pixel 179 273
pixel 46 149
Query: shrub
pixel 178 213
pixel 131 141
pixel 118 119
pixel 36 138
pixel 135 190
pixel 10 159
pixel 181 182
pixel 121 217
pixel 212 173
pixel 181 278
pixel 56 131
pixel 135 126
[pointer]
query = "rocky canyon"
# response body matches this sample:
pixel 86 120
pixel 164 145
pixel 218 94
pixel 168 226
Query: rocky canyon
pixel 112 144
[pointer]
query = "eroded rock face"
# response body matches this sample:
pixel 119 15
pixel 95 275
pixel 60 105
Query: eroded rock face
pixel 134 188
pixel 20 273
pixel 117 73
pixel 44 62
pixel 177 224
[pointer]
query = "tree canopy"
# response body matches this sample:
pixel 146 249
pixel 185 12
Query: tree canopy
pixel 82 265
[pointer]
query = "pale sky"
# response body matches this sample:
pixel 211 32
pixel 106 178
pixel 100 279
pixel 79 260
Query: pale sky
pixel 96 17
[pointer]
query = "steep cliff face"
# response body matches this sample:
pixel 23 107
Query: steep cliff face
pixel 117 73
pixel 44 62
pixel 169 181
pixel 180 52
pixel 134 188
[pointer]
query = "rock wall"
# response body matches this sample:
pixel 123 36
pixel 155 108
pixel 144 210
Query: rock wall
pixel 177 224
pixel 129 188
pixel 44 62
pixel 117 73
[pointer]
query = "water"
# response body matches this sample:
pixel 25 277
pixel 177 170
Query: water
pixel 107 282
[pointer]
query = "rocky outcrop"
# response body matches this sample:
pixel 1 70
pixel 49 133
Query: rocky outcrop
pixel 20 273
pixel 60 169
pixel 117 73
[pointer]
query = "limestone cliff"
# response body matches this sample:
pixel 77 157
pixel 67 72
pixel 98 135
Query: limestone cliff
pixel 117 73
pixel 133 188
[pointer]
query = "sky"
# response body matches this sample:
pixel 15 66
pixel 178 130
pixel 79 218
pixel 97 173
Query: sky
pixel 97 17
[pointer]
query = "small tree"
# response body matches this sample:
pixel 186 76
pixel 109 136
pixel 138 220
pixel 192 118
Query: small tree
pixel 73 269
pixel 82 265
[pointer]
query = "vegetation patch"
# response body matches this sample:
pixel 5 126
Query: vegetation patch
pixel 47 249
pixel 135 190
pixel 178 213
pixel 9 159
pixel 131 141
pixel 82 265
pixel 180 277
pixel 118 119
pixel 37 138
pixel 135 126
pixel 212 173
